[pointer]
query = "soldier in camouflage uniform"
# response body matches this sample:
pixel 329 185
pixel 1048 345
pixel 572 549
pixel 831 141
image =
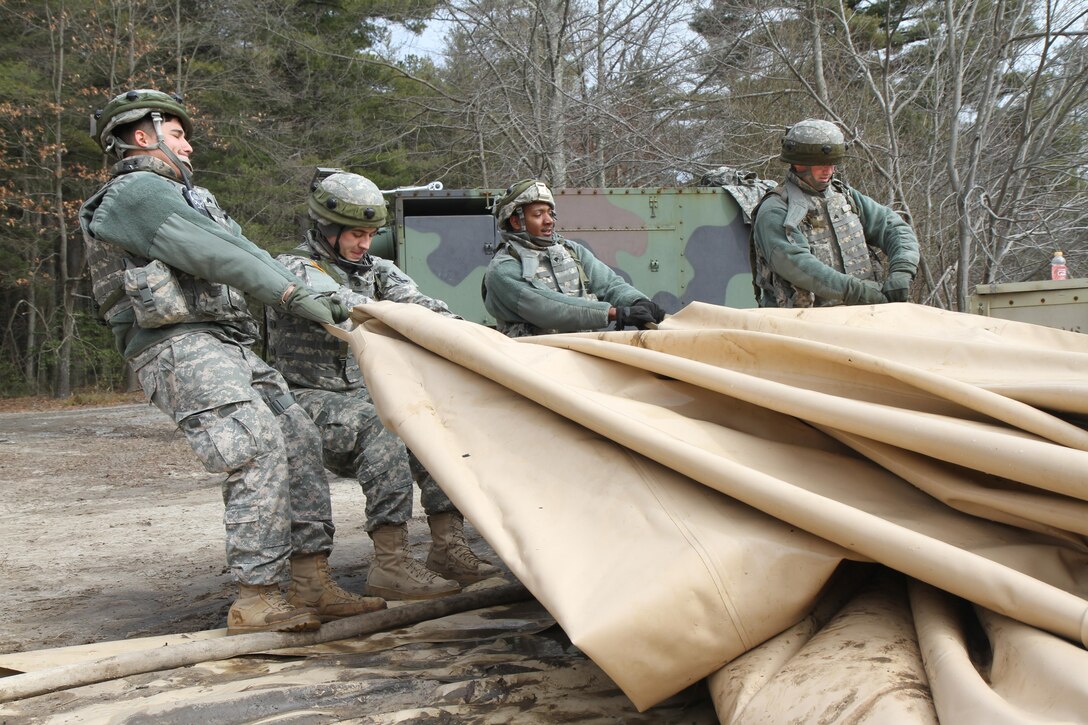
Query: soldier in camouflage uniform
pixel 539 283
pixel 168 267
pixel 347 210
pixel 812 234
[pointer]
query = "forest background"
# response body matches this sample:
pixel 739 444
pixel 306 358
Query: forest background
pixel 970 117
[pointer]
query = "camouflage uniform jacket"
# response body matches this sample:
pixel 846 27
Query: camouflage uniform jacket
pixel 305 354
pixel 807 266
pixel 525 295
pixel 141 214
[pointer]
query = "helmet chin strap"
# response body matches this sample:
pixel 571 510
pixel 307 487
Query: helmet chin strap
pixel 183 166
pixel 545 241
pixel 363 265
pixel 809 179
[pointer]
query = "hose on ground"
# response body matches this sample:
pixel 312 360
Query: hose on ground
pixel 31 684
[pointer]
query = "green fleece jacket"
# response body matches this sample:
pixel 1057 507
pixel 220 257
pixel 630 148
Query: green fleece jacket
pixel 513 299
pixel 145 214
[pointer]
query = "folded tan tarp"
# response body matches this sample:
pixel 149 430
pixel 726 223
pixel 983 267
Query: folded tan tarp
pixel 676 498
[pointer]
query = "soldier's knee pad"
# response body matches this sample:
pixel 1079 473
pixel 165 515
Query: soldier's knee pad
pixel 387 464
pixel 231 436
pixel 298 426
pixel 351 428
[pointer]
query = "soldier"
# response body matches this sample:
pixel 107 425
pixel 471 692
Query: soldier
pixel 812 235
pixel 347 210
pixel 166 267
pixel 538 282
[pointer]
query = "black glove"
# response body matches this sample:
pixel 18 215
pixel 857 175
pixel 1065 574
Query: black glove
pixel 655 309
pixel 863 292
pixel 897 287
pixel 637 315
pixel 303 303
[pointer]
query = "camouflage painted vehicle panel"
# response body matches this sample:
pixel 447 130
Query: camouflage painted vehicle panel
pixel 678 245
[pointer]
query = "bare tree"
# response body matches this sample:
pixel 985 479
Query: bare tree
pixel 577 93
pixel 69 257
pixel 1019 83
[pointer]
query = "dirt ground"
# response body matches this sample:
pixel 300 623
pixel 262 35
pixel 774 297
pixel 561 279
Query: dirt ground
pixel 111 529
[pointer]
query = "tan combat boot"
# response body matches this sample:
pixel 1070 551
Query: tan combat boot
pixel 450 555
pixel 396 575
pixel 313 586
pixel 262 608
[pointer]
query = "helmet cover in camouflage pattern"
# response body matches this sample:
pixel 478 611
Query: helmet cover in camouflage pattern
pixel 813 142
pixel 518 195
pixel 350 200
pixel 131 106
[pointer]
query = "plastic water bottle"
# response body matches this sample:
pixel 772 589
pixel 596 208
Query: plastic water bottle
pixel 1058 270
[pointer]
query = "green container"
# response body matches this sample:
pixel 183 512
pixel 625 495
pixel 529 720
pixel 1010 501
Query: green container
pixel 1053 303
pixel 676 244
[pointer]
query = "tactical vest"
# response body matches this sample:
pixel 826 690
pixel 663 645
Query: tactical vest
pixel 557 267
pixel 746 188
pixel 203 301
pixel 303 352
pixel 835 237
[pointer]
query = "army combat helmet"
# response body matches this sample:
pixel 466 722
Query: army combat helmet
pixel 813 142
pixel 517 196
pixel 340 200
pixel 130 107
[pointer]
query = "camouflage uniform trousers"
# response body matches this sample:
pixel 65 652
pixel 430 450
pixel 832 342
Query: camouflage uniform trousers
pixel 276 493
pixel 357 445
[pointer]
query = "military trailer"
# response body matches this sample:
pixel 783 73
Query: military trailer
pixel 676 244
